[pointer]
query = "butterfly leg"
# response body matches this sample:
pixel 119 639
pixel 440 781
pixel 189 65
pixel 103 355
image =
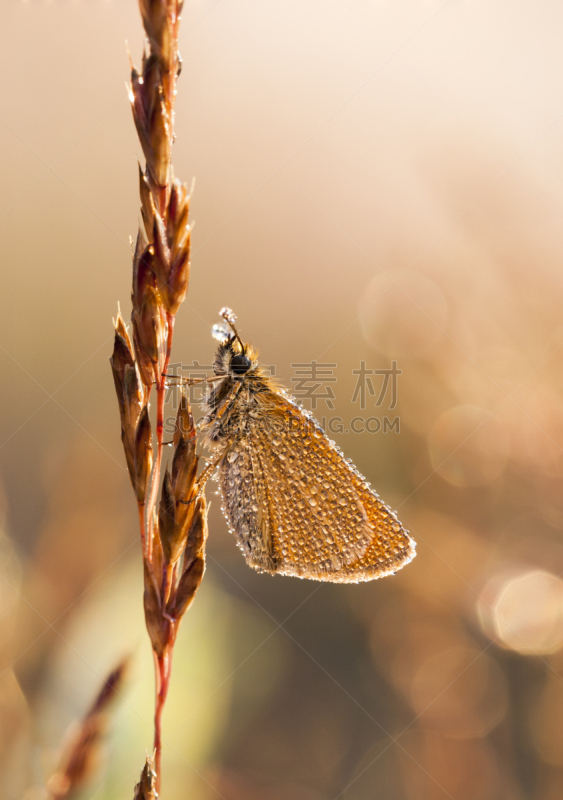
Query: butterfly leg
pixel 193 381
pixel 207 473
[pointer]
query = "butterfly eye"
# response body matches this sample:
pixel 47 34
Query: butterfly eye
pixel 240 364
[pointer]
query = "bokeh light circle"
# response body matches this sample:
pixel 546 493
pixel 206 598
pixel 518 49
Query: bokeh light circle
pixel 461 692
pixel 403 313
pixel 468 446
pixel 524 612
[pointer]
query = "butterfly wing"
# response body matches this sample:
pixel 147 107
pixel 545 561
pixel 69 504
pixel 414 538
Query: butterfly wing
pixel 299 508
pixel 246 506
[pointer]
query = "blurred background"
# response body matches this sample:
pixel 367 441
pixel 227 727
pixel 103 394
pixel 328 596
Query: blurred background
pixel 377 181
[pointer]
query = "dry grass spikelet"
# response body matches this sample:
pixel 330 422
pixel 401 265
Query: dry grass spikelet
pixel 174 528
pixel 146 788
pixel 81 749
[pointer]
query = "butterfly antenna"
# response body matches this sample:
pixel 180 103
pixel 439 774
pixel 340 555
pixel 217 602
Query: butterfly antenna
pixel 230 317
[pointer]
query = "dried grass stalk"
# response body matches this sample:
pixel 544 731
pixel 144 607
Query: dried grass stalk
pixel 81 750
pixel 174 529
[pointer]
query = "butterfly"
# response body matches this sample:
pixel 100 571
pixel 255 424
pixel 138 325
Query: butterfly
pixel 294 503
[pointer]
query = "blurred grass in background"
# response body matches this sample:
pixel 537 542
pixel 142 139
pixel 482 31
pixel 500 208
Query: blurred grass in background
pixel 398 161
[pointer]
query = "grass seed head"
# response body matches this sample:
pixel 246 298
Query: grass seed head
pixel 158 625
pixel 173 537
pixel 184 464
pixel 130 391
pixel 170 532
pixel 142 455
pixel 188 585
pixel 150 326
pixel 197 534
pixel 146 788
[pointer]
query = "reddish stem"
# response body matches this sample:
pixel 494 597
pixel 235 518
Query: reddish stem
pixel 162 667
pixel 163 663
pixel 161 389
pixel 160 398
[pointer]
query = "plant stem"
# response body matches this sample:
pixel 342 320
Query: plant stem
pixel 160 399
pixel 162 666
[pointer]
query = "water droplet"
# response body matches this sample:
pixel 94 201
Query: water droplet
pixel 220 332
pixel 228 314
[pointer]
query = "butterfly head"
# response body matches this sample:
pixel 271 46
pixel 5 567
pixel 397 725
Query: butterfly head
pixel 234 358
pixel 240 365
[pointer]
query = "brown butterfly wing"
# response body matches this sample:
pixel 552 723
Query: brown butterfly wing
pixel 299 508
pixel 245 504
